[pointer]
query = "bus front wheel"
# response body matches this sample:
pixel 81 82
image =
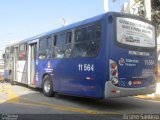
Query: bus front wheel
pixel 47 86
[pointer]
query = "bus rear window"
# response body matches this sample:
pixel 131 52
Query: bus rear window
pixel 135 33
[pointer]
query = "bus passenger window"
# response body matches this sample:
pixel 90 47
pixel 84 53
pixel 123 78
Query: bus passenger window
pixel 67 51
pixel 94 32
pixel 49 47
pixel 54 41
pixel 81 35
pixel 22 52
pixel 67 47
pixel 61 39
pixel 80 50
pixel 42 48
pixel 54 48
pixel 89 47
pixel 61 47
pixel 98 32
pixel 60 42
pixel 59 52
pixel 92 49
pixel 69 37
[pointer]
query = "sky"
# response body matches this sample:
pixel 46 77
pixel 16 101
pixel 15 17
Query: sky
pixel 20 19
pixel 114 6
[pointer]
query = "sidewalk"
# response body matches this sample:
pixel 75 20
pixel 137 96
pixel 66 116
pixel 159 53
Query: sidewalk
pixel 155 96
pixel 149 97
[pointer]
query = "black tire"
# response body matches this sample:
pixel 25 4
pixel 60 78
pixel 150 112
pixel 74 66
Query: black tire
pixel 12 82
pixel 2 81
pixel 48 86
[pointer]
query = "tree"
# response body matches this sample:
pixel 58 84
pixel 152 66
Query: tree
pixel 155 5
pixel 155 11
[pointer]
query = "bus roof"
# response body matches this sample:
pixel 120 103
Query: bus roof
pixel 73 25
pixel 83 22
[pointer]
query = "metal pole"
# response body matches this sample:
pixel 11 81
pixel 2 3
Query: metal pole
pixel 147 4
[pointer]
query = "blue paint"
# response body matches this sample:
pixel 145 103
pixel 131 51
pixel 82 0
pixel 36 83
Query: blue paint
pixel 68 79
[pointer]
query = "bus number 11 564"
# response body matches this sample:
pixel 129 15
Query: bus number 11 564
pixel 85 67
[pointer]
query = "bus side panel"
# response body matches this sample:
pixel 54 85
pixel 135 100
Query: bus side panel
pixel 68 78
pixel 84 76
pixel 77 76
pixel 81 77
pixel 47 67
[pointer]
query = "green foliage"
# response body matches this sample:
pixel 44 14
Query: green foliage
pixel 155 4
pixel 155 11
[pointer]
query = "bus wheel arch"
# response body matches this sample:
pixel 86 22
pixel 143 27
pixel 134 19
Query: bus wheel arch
pixel 47 86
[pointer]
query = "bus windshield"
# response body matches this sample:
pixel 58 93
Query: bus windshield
pixel 135 33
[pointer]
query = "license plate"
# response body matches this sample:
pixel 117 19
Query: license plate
pixel 137 82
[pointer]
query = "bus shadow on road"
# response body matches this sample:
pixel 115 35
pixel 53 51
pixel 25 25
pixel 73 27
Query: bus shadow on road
pixel 110 103
pixel 34 99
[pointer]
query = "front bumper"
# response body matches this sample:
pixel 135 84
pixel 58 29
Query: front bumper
pixel 121 92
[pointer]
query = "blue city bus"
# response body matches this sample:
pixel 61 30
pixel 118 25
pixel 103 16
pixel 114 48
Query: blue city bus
pixel 110 55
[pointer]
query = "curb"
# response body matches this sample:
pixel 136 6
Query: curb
pixel 155 97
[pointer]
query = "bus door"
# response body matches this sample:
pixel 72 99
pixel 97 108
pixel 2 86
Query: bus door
pixel 32 64
pixel 15 63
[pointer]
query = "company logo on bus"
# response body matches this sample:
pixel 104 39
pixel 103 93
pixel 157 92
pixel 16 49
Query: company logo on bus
pixel 49 65
pixel 121 61
pixel 130 83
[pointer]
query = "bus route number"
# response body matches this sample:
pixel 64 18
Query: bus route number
pixel 85 67
pixel 149 62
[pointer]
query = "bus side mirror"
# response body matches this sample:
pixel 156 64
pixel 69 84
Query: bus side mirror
pixel 3 56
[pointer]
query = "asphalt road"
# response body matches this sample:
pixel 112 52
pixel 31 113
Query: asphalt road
pixel 20 102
